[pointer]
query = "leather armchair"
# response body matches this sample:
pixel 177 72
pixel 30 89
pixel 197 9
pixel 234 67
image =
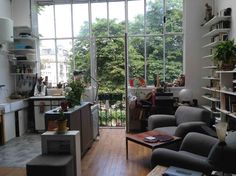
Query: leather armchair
pixel 201 153
pixel 186 119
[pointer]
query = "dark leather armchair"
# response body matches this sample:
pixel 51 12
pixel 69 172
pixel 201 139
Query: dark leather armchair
pixel 186 119
pixel 201 153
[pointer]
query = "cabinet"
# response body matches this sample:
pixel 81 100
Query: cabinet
pixel 23 63
pixel 218 29
pixel 79 118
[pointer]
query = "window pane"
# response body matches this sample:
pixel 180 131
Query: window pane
pixel 174 15
pixel 63 21
pixel 174 57
pixel 136 57
pixel 154 17
pixel 64 48
pixel 110 64
pixel 136 17
pixel 80 20
pixel 45 18
pixel 99 19
pixel 48 60
pixel 116 18
pixel 155 61
pixel 82 54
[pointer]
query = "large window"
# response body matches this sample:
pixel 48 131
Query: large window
pixel 72 33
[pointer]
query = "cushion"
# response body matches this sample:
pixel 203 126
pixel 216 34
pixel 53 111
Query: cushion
pixel 169 130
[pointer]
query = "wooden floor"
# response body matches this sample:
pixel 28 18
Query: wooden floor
pixel 107 157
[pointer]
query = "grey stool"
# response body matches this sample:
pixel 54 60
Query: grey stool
pixel 48 165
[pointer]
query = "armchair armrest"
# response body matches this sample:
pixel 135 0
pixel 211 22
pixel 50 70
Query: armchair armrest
pixel 198 143
pixel 161 120
pixel 200 127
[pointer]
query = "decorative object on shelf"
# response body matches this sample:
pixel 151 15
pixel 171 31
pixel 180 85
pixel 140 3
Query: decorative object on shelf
pixel 208 12
pixel 225 55
pixel 74 90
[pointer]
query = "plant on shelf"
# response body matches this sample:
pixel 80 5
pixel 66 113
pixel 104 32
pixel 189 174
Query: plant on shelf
pixel 225 55
pixel 62 119
pixel 74 90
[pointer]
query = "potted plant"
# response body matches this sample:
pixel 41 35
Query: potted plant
pixel 225 54
pixel 74 91
pixel 62 119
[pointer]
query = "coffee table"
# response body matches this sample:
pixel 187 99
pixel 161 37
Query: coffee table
pixel 138 138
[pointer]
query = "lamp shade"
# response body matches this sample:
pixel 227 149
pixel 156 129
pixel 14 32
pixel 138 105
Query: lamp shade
pixel 221 129
pixel 185 95
pixel 6 30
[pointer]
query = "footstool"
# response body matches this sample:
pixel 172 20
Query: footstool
pixel 48 165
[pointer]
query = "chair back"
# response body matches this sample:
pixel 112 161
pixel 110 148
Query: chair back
pixel 192 114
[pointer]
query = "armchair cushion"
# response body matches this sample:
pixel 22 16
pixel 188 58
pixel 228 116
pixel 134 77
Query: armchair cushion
pixel 191 114
pixel 166 157
pixel 161 120
pixel 186 119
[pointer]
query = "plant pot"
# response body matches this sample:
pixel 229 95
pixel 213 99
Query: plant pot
pixel 62 126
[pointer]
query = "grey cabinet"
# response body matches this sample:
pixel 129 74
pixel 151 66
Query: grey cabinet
pixel 79 118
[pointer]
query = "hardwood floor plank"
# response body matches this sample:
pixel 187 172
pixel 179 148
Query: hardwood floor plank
pixel 107 157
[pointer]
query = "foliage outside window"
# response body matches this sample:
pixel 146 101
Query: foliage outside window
pixel 155 41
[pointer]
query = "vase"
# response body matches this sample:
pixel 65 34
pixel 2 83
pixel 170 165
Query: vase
pixel 62 126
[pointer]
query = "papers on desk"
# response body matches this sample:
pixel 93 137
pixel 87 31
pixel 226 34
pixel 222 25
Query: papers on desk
pixel 177 171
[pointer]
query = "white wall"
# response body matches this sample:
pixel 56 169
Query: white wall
pixel 5 78
pixel 194 15
pixel 225 4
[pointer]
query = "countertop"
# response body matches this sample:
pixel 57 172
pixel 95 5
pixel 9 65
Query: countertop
pixel 48 97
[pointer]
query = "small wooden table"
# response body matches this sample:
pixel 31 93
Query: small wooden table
pixel 139 139
pixel 157 171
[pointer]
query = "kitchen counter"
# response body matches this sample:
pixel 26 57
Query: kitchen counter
pixel 48 97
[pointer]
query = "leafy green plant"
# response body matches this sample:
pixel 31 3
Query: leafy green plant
pixel 225 52
pixel 74 90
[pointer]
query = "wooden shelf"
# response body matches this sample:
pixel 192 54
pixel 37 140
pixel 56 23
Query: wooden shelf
pixel 19 74
pixel 210 78
pixel 207 107
pixel 211 98
pixel 211 44
pixel 210 67
pixel 214 89
pixel 208 56
pixel 215 32
pixel 216 19
pixel 224 71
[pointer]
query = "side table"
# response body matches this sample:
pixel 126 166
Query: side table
pixel 157 171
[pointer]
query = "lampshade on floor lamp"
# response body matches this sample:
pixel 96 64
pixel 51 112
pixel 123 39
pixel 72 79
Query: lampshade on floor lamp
pixel 6 30
pixel 221 129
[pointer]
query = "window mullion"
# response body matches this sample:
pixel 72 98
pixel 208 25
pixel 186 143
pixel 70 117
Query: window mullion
pixel 164 41
pixel 55 42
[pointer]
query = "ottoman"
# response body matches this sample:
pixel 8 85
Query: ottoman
pixel 48 165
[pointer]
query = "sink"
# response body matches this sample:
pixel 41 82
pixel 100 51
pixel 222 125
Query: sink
pixel 13 105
